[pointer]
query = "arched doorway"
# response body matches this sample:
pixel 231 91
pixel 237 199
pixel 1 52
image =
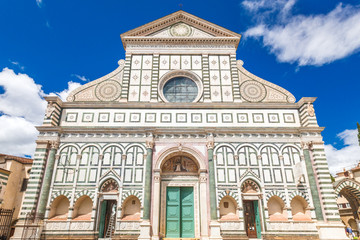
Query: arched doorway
pixel 180 191
pixel 348 201
pixel 250 192
pixel 109 192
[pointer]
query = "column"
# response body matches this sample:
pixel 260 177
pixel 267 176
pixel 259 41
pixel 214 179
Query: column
pixel 145 225
pixel 312 179
pixel 204 232
pixel 45 188
pixel 156 205
pixel 148 170
pixel 212 188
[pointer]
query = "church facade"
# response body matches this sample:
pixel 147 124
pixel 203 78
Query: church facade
pixel 180 141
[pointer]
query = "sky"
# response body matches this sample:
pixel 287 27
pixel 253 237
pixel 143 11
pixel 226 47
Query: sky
pixel 311 48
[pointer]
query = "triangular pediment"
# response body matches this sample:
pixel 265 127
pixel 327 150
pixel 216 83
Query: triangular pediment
pixel 179 26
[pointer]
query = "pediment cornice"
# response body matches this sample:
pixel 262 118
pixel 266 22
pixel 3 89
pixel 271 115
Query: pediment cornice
pixel 143 34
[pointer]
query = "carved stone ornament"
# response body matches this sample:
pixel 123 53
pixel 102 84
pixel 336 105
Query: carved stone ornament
pixel 108 90
pixel 252 91
pixel 307 145
pixel 310 110
pixel 203 179
pixel 50 109
pixel 157 179
pixel 54 144
pixel 110 186
pixel 180 30
pixel 179 164
pixel 249 187
pixel 210 144
pixel 150 144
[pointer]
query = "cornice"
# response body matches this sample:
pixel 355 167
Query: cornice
pixel 161 105
pixel 180 16
pixel 189 130
pixel 219 41
pixel 141 34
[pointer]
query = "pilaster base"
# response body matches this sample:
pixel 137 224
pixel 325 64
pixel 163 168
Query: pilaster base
pixel 34 230
pixel 331 231
pixel 145 230
pixel 215 231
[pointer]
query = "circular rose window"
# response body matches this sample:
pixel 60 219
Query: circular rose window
pixel 180 89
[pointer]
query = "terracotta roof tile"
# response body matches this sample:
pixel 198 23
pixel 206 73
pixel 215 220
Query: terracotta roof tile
pixel 18 159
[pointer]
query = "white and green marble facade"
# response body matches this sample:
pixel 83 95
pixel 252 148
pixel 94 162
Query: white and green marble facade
pixel 255 130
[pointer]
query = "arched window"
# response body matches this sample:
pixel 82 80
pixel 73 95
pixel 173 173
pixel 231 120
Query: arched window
pixel 131 209
pixel 291 156
pixel 228 209
pixel 112 156
pixel 59 208
pixel 66 165
pixel 90 156
pixel 276 209
pixel 83 209
pixel 299 209
pixel 270 155
pixel 248 156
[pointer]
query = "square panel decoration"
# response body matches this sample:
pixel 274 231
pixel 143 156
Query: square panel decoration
pixel 258 118
pixel 119 117
pixel 211 117
pixel 227 118
pixel 71 117
pixel 150 117
pixel 104 117
pixel 273 118
pixel 289 118
pixel 181 117
pixel 134 117
pixel 196 117
pixel 166 117
pixel 242 118
pixel 88 117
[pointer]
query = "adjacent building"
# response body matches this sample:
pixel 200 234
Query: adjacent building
pixel 347 189
pixel 14 176
pixel 181 141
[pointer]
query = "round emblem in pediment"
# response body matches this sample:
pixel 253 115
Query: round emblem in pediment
pixel 180 30
pixel 108 91
pixel 252 91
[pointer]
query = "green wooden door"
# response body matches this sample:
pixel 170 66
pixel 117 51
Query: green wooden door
pixel 102 218
pixel 257 219
pixel 173 212
pixel 187 212
pixel 180 212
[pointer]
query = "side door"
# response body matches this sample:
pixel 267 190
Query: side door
pixel 187 212
pixel 172 212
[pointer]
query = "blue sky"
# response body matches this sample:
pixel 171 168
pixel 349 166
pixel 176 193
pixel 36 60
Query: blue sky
pixel 310 48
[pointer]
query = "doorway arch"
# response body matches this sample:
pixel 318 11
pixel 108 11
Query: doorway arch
pixel 180 169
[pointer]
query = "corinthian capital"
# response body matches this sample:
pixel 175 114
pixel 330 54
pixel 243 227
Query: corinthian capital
pixel 307 145
pixel 150 144
pixel 54 144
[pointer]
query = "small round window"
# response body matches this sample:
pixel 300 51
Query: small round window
pixel 180 89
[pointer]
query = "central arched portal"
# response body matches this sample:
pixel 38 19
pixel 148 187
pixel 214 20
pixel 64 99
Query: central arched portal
pixel 180 188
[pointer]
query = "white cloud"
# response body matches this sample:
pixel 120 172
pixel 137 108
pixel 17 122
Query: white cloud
pixel 17 64
pixel 22 97
pixel 344 157
pixel 17 136
pixel 266 6
pixel 22 108
pixel 311 40
pixel 63 94
pixel 39 3
pixel 82 78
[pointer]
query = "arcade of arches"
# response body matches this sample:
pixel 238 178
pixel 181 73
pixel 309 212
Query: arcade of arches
pixel 347 189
